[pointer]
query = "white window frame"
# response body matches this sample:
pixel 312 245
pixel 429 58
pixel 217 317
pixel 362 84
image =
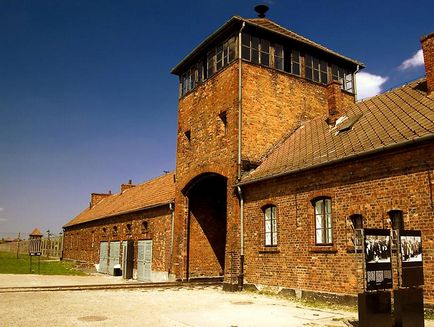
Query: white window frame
pixel 270 226
pixel 323 221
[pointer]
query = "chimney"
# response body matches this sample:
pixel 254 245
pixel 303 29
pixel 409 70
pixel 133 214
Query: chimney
pixel 97 197
pixel 335 99
pixel 127 186
pixel 428 57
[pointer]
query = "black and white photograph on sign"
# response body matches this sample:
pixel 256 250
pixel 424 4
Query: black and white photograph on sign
pixel 411 248
pixel 377 249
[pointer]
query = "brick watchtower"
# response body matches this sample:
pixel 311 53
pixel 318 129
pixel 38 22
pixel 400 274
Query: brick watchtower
pixel 241 91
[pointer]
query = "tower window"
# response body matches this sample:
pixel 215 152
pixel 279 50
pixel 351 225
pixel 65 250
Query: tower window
pixel 187 135
pixel 315 69
pixel 216 58
pixel 259 51
pixel 278 57
pixel 295 62
pixel 344 77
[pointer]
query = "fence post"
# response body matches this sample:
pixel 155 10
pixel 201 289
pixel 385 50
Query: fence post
pixel 18 244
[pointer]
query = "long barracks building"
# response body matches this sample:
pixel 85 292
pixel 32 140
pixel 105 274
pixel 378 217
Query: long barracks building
pixel 276 166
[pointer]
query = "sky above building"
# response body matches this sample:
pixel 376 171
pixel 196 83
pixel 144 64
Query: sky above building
pixel 87 100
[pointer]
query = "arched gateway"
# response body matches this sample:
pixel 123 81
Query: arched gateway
pixel 206 225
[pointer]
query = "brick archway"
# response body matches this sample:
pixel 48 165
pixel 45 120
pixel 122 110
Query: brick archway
pixel 206 225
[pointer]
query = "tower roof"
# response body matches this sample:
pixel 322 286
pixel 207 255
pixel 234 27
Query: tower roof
pixel 35 232
pixel 265 25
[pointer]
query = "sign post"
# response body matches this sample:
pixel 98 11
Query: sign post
pixel 375 303
pixel 408 298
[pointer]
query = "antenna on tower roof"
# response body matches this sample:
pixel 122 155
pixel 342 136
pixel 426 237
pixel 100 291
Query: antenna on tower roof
pixel 261 10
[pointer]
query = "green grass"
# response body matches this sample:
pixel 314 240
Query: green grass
pixel 9 264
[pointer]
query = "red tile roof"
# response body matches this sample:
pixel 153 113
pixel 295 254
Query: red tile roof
pixel 155 192
pixel 402 115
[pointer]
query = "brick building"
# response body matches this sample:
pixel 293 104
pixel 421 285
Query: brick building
pixel 277 164
pixel 132 228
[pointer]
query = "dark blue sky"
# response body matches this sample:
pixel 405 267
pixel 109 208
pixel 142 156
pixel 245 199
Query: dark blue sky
pixel 87 100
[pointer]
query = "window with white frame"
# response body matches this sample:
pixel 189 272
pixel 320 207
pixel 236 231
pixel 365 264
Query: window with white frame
pixel 323 221
pixel 344 77
pixel 270 225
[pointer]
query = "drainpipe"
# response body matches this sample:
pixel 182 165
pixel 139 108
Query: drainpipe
pixel 240 112
pixel 354 82
pixel 241 275
pixel 172 233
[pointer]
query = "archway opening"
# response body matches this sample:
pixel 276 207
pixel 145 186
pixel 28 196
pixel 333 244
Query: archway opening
pixel 206 226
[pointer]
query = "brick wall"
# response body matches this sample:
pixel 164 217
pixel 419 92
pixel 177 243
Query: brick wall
pixel 212 149
pixel 274 104
pixel 371 187
pixel 82 242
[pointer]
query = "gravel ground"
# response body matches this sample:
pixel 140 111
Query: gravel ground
pixel 176 306
pixel 182 306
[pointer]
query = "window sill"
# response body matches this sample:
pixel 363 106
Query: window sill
pixel 269 249
pixel 352 249
pixel 323 249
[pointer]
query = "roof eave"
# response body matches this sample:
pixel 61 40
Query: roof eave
pixel 318 46
pixel 339 160
pixel 178 69
pixel 161 204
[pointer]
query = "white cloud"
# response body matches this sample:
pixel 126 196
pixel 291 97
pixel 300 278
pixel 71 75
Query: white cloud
pixel 369 84
pixel 3 220
pixel 415 61
pixel 1 209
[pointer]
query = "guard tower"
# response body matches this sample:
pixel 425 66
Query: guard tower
pixel 241 91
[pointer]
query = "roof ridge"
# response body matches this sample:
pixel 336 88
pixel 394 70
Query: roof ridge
pixel 286 29
pixel 156 178
pixel 301 38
